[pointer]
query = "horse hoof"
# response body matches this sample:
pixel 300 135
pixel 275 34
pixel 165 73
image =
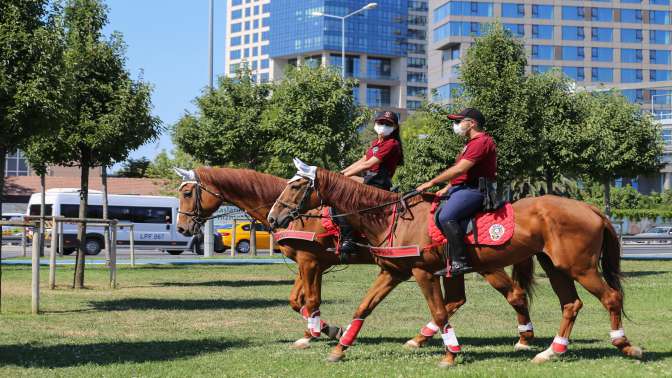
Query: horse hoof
pixel 411 344
pixel 334 332
pixel 635 352
pixel 444 364
pixel 546 356
pixel 333 357
pixel 302 343
pixel 521 347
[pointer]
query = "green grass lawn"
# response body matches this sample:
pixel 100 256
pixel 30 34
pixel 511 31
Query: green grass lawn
pixel 235 321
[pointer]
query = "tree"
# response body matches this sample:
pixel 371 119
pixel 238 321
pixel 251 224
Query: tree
pixel 227 126
pixel 312 115
pixel 493 75
pixel 553 113
pixel 30 52
pixel 107 114
pixel 134 168
pixel 430 146
pixel 162 168
pixel 616 139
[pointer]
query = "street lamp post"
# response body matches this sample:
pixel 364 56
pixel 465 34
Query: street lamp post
pixel 342 18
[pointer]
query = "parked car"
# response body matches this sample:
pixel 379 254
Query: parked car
pixel 657 235
pixel 243 236
pixel 12 235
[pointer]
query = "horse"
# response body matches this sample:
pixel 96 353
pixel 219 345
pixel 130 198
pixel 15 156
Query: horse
pixel 568 237
pixel 205 189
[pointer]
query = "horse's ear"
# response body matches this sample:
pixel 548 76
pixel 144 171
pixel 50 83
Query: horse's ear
pixel 305 170
pixel 185 174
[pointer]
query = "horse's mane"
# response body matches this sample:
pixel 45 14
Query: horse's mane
pixel 351 194
pixel 247 181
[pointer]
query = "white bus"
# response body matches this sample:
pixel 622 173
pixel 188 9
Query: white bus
pixel 153 218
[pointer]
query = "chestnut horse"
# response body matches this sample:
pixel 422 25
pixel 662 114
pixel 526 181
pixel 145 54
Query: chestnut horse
pixel 204 190
pixel 569 237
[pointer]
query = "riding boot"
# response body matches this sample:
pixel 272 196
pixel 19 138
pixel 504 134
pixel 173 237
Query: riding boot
pixel 457 248
pixel 347 246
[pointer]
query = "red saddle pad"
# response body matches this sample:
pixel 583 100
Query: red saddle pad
pixel 492 228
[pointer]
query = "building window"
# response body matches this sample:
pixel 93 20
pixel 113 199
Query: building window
pixel 266 8
pixel 634 95
pixel 416 77
pixel 234 54
pixel 573 33
pixel 351 64
pixel 518 30
pixel 416 91
pixel 420 6
pixel 601 34
pixel 660 56
pixel 631 55
pixel 631 35
pixel 417 20
pixel 237 27
pixel 659 17
pixel 576 73
pixel 236 14
pixel 542 32
pixel 236 3
pixel 602 75
pixel 542 11
pixel 417 62
pixel 602 54
pixel 16 164
pixel 416 48
pixel 264 64
pixel 660 37
pixel 573 53
pixel 379 68
pixel 660 2
pixel 542 52
pixel 541 69
pixel 602 14
pixel 573 13
pixel 447 92
pixel 235 41
pixel 659 75
pixel 629 75
pixel 413 104
pixel 378 96
pixel 463 8
pixel 511 10
pixel 631 16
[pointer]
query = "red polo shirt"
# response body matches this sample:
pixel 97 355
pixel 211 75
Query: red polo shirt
pixel 388 151
pixel 482 151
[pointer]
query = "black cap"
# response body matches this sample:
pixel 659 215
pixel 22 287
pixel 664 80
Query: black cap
pixel 387 116
pixel 472 113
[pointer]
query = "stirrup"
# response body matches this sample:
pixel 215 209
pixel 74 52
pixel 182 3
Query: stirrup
pixel 460 268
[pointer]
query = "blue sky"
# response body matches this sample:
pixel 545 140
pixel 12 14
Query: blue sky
pixel 168 41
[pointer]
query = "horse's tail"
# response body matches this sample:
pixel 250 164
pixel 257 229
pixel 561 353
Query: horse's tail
pixel 523 275
pixel 610 260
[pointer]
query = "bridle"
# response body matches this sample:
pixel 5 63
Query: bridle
pixel 296 210
pixel 197 215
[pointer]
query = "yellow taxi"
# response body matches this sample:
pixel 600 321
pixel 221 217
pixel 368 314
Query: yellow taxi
pixel 243 236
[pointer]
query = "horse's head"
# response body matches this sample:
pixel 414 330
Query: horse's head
pixel 298 196
pixel 197 203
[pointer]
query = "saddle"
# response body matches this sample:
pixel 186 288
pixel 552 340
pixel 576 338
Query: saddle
pixel 490 228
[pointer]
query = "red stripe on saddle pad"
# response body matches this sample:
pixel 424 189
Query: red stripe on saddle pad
pixel 492 228
pixel 291 234
pixel 396 252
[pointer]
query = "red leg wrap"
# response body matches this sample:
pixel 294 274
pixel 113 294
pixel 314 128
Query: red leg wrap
pixel 351 332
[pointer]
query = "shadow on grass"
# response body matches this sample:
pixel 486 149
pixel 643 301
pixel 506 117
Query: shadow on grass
pixel 541 342
pixel 68 355
pixel 643 273
pixel 228 283
pixel 184 304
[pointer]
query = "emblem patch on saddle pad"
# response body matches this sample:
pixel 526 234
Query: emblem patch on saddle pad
pixel 496 231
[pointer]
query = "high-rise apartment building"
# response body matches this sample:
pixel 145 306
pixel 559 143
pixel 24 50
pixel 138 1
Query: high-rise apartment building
pixel 385 46
pixel 624 44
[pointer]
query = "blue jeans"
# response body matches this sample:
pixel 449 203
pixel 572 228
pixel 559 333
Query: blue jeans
pixel 462 204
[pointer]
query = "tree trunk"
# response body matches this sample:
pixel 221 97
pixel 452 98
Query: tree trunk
pixel 607 196
pixel 3 153
pixel 81 232
pixel 42 213
pixel 549 183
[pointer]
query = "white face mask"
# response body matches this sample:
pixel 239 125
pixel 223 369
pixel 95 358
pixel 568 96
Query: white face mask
pixel 459 130
pixel 383 130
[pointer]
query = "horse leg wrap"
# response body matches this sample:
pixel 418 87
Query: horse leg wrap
pixel 304 313
pixel 314 324
pixel 559 344
pixel 450 339
pixel 351 332
pixel 525 327
pixel 617 334
pixel 429 330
